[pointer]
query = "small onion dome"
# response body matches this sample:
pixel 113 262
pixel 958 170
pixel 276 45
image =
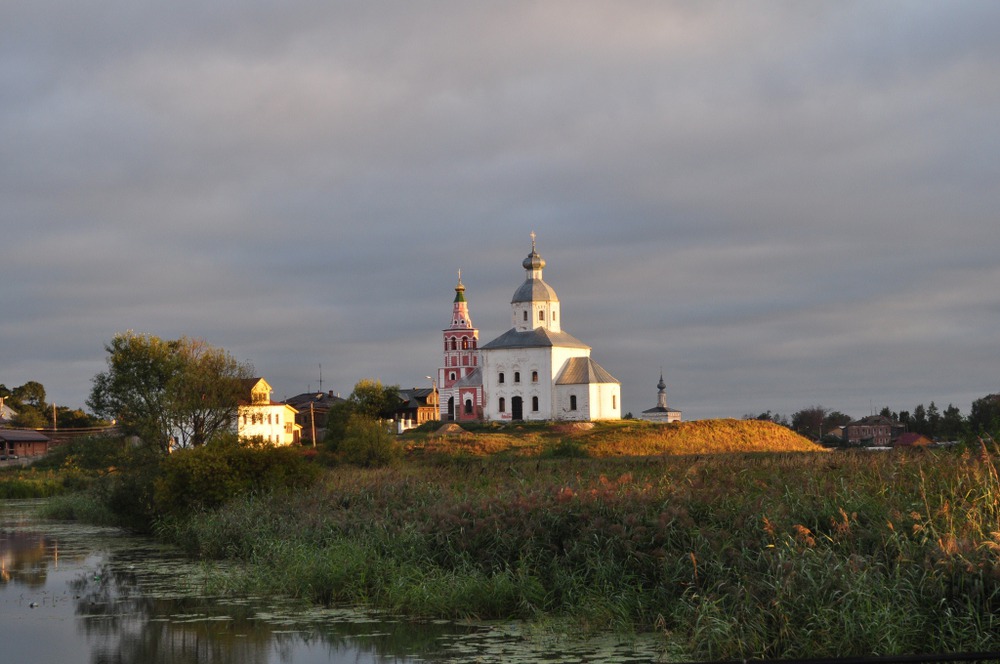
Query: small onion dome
pixel 661 384
pixel 533 261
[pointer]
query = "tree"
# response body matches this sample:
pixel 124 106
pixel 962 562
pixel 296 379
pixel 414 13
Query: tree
pixel 984 416
pixel 919 422
pixel 204 395
pixel 835 419
pixel 809 421
pixel 952 423
pixel 369 399
pixel 373 400
pixel 161 390
pixel 933 421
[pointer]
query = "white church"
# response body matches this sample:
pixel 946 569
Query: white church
pixel 533 371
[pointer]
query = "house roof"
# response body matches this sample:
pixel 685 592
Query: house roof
pixel 22 436
pixel 473 379
pixel 660 409
pixel 319 400
pixel 583 371
pixel 536 338
pixel 912 439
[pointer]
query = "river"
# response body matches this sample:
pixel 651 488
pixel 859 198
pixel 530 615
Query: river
pixel 72 593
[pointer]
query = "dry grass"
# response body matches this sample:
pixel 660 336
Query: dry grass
pixel 618 439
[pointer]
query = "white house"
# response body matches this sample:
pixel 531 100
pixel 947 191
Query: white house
pixel 535 371
pixel 259 417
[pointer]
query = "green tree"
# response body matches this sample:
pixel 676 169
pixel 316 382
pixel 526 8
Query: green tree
pixel 204 395
pixel 984 416
pixel 809 421
pixel 158 390
pixel 918 424
pixel 952 423
pixel 373 400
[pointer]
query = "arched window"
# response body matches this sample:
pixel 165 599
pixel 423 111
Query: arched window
pixel 474 343
pixel 526 315
pixel 534 404
pixel 500 380
pixel 614 401
pixel 468 406
pixel 503 405
pixel 572 402
pixel 465 343
pixel 451 376
pixel 517 376
pixel 541 314
pixel 454 345
pixel 534 376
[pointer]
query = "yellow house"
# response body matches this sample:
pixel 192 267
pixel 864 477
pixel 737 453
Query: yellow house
pixel 259 417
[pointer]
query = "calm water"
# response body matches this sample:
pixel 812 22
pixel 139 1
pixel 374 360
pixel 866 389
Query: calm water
pixel 71 593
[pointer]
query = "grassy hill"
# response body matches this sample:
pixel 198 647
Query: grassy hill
pixel 609 439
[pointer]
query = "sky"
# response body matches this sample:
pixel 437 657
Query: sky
pixel 776 204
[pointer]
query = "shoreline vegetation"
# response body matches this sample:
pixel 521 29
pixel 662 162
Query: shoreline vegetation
pixel 732 538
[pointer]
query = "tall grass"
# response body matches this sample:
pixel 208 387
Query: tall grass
pixel 780 555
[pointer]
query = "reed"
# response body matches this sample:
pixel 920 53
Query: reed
pixel 737 555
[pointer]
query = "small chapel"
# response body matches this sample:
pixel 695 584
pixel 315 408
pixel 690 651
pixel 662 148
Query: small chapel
pixel 533 371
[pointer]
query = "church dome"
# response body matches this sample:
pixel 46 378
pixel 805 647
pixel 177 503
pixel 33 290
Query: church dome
pixel 534 288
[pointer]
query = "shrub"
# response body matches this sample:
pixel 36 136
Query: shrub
pixel 368 443
pixel 208 476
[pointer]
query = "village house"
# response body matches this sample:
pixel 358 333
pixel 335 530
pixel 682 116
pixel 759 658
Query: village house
pixel 312 410
pixel 259 417
pixel 871 431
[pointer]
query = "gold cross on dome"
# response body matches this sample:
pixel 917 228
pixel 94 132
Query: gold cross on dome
pixel 532 241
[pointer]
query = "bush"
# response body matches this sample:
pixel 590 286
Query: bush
pixel 368 443
pixel 206 477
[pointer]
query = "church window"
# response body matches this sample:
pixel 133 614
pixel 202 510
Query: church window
pixel 500 379
pixel 468 406
pixel 525 315
pixel 244 419
pixel 553 315
pixel 614 401
pixel 572 402
pixel 465 343
pixel 503 405
pixel 269 418
pixel 517 376
pixel 454 346
pixel 277 419
pixel 534 376
pixel 451 376
pixel 541 315
pixel 473 344
pixel 534 404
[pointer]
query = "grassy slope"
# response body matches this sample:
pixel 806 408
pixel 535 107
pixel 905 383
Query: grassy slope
pixel 624 438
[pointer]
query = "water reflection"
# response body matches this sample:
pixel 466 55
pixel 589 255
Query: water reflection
pixel 75 593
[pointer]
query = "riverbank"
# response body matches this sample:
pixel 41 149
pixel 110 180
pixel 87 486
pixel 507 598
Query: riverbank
pixel 773 555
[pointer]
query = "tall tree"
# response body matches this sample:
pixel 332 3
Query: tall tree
pixel 984 416
pixel 952 423
pixel 809 421
pixel 167 390
pixel 203 397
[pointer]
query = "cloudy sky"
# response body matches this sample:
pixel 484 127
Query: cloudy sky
pixel 780 204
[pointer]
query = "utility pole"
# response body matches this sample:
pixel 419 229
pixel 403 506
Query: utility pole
pixel 312 419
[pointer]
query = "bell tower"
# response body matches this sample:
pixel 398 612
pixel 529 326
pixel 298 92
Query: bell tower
pixel 461 354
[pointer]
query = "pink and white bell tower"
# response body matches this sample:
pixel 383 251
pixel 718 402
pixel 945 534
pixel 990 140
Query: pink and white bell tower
pixel 461 394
